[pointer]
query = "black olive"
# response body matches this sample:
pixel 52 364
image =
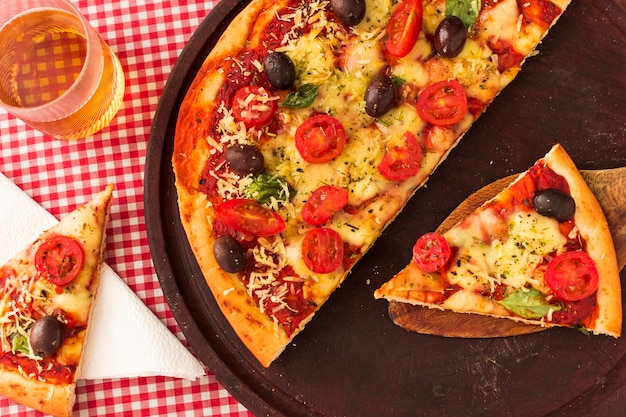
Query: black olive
pixel 450 37
pixel 380 95
pixel 229 254
pixel 46 336
pixel 280 70
pixel 245 159
pixel 554 203
pixel 350 12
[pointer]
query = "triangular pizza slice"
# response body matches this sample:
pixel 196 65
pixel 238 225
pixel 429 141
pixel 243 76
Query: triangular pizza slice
pixel 46 296
pixel 539 252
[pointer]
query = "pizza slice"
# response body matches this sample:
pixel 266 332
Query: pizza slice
pixel 539 252
pixel 311 124
pixel 46 295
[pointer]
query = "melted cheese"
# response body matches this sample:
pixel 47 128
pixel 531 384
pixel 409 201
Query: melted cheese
pixel 509 259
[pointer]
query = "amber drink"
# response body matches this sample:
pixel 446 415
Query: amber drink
pixel 56 73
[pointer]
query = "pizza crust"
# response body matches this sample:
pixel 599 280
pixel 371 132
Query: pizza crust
pixel 593 226
pixel 54 399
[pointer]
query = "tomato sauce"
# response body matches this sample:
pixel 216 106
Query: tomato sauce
pixel 51 370
pixel 539 12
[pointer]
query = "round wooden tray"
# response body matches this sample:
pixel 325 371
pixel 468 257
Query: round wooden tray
pixel 351 360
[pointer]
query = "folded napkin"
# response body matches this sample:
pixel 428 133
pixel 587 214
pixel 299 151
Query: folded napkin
pixel 125 338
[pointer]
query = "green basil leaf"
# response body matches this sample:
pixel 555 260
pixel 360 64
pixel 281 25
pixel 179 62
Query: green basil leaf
pixel 302 98
pixel 466 10
pixel 528 303
pixel 19 343
pixel 264 186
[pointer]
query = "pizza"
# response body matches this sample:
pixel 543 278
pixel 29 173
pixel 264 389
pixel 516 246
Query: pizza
pixel 46 294
pixel 539 252
pixel 309 126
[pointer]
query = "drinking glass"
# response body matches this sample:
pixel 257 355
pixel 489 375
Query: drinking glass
pixel 56 73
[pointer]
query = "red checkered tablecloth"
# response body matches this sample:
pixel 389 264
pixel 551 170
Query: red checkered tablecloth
pixel 148 36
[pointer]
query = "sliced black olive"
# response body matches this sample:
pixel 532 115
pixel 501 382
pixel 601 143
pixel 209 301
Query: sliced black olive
pixel 380 95
pixel 350 12
pixel 280 70
pixel 46 336
pixel 229 254
pixel 450 37
pixel 554 203
pixel 245 159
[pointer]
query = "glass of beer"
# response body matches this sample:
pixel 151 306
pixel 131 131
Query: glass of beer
pixel 56 73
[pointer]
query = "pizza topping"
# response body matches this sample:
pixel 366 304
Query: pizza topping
pixel 320 138
pixel 443 103
pixel 229 254
pixel 431 252
pixel 450 37
pixel 572 276
pixel 253 106
pixel 245 159
pixel 46 336
pixel 323 203
pixel 404 28
pixel 301 98
pixel 380 95
pixel 59 260
pixel 280 70
pixel 529 303
pixel 466 10
pixel 269 189
pixel 350 12
pixel 400 163
pixel 322 250
pixel 554 203
pixel 248 216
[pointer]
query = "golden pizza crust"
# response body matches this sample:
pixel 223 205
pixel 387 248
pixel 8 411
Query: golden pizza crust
pixel 47 397
pixel 87 225
pixel 414 286
pixel 593 227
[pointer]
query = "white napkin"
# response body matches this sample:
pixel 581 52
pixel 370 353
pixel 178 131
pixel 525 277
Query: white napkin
pixel 125 338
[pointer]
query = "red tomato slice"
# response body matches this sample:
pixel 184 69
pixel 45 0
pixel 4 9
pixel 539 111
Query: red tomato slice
pixel 253 106
pixel 404 27
pixel 431 252
pixel 443 103
pixel 572 276
pixel 59 260
pixel 322 250
pixel 248 216
pixel 323 203
pixel 400 163
pixel 320 138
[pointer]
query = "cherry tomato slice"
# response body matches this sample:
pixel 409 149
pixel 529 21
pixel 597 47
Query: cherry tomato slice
pixel 322 250
pixel 253 106
pixel 400 163
pixel 320 138
pixel 572 276
pixel 431 252
pixel 443 103
pixel 323 203
pixel 59 260
pixel 248 216
pixel 404 27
